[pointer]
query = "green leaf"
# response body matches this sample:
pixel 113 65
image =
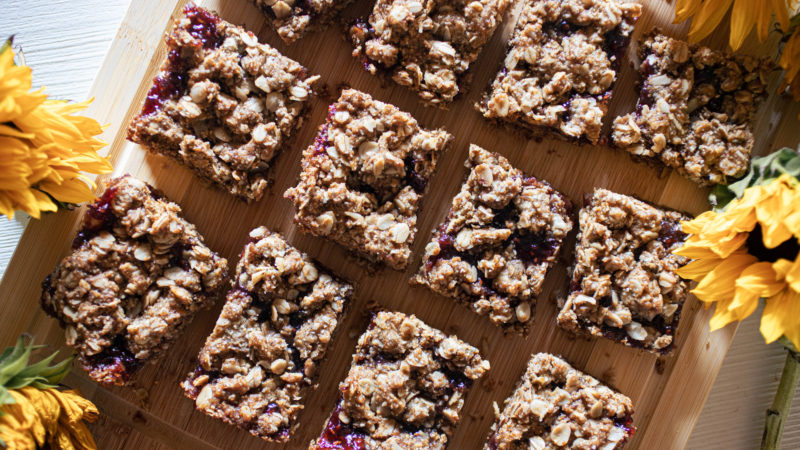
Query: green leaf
pixel 16 361
pixel 36 369
pixel 5 354
pixel 7 44
pixel 56 373
pixel 15 372
pixel 5 397
pixel 762 170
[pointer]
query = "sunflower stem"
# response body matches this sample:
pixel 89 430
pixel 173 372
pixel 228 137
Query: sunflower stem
pixel 779 412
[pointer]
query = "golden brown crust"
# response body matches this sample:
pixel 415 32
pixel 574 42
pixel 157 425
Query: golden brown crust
pixel 405 388
pixel 364 177
pixel 273 332
pixel 223 104
pixel 136 277
pixel 696 109
pixel 555 406
pixel 502 235
pixel 624 282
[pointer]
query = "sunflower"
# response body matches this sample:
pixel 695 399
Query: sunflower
pixel 707 14
pixel 749 251
pixel 34 413
pixel 47 416
pixel 44 146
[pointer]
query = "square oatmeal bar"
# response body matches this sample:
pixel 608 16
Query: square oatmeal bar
pixel 426 46
pixel 137 275
pixel 624 283
pixel 294 18
pixel 364 176
pixel 556 406
pixel 501 236
pixel 561 66
pixel 696 109
pixel 222 104
pixel 270 338
pixel 405 388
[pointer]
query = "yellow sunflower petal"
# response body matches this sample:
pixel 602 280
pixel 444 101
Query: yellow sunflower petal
pixel 761 279
pixel 718 247
pixel 707 19
pixel 696 225
pixel 792 274
pixel 685 9
pixel 743 17
pixel 764 19
pixel 699 268
pixel 720 283
pixel 781 316
pixel 70 191
pixel 722 315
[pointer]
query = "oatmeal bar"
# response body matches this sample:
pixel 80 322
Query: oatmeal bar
pixel 270 338
pixel 556 406
pixel 364 176
pixel 696 109
pixel 427 46
pixel 405 388
pixel 624 283
pixel 501 236
pixel 561 66
pixel 137 275
pixel 294 18
pixel 223 104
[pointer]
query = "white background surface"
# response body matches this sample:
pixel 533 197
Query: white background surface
pixel 65 42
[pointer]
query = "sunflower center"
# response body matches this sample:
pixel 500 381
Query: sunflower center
pixel 755 246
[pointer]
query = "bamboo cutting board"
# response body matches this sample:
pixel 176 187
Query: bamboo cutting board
pixel 668 393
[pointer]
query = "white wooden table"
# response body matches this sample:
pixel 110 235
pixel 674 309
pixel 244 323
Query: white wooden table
pixel 65 41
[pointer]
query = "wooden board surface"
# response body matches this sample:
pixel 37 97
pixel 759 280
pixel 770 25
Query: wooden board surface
pixel 668 393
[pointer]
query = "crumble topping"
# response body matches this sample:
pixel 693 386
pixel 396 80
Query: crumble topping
pixel 501 236
pixel 624 282
pixel 561 66
pixel 222 104
pixel 696 109
pixel 269 340
pixel 556 406
pixel 427 46
pixel 405 388
pixel 294 18
pixel 364 176
pixel 137 274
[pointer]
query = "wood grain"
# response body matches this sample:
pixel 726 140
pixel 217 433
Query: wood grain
pixel 668 394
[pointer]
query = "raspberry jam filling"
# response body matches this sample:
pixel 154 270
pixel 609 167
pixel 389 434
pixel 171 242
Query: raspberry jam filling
pixel 321 140
pixel 98 217
pixel 339 435
pixel 115 362
pixel 172 82
pixel 529 247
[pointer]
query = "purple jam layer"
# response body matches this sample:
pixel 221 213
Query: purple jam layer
pixel 172 82
pixel 116 361
pixel 671 233
pixel 531 248
pixel 98 217
pixel 339 435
